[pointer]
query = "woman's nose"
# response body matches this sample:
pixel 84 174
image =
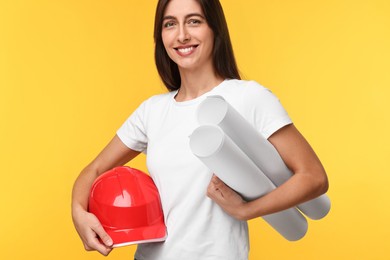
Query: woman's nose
pixel 184 35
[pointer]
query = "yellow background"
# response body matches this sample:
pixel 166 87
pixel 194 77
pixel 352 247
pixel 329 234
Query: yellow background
pixel 72 71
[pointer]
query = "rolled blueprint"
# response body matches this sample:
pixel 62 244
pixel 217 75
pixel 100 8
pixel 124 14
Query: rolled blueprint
pixel 222 156
pixel 215 110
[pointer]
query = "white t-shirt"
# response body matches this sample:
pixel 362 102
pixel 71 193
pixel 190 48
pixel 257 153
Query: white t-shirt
pixel 197 227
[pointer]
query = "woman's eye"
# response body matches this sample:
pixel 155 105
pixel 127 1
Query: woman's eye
pixel 194 21
pixel 169 24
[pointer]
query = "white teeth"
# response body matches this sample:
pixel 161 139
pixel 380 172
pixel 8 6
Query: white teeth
pixel 185 50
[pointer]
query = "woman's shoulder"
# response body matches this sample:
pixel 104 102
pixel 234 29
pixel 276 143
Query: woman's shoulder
pixel 161 98
pixel 243 87
pixel 246 93
pixel 240 84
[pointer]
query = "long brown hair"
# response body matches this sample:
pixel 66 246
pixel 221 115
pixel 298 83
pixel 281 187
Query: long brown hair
pixel 223 56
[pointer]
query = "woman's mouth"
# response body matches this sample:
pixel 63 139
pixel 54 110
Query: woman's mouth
pixel 186 50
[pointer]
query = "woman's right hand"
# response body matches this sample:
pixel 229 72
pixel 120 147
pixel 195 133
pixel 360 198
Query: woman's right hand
pixel 91 232
pixel 87 225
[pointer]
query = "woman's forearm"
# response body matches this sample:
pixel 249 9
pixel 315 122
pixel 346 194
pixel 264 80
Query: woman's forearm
pixel 81 188
pixel 299 188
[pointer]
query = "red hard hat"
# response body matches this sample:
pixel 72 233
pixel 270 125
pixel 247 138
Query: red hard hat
pixel 127 203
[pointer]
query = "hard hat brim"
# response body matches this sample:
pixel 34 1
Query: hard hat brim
pixel 147 234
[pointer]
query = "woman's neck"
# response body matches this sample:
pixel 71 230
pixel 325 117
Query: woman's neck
pixel 196 83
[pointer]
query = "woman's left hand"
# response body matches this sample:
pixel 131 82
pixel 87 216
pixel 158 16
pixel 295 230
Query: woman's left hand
pixel 229 200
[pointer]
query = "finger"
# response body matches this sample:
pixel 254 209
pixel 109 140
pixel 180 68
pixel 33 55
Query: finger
pixel 105 251
pixel 102 249
pixel 93 243
pixel 219 191
pixel 217 184
pixel 213 191
pixel 102 234
pixel 99 231
pixel 98 235
pixel 215 179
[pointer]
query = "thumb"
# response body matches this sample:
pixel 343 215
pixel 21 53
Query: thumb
pixel 217 182
pixel 215 189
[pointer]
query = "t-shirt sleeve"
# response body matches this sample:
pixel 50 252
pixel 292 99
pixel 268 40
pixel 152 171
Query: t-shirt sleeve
pixel 268 113
pixel 133 132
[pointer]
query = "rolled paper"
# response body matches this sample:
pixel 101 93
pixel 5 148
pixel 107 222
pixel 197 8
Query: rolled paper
pixel 215 110
pixel 222 156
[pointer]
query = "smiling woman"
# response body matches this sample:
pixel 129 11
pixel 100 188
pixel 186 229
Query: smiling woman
pixel 205 219
pixel 71 71
pixel 198 17
pixel 187 38
pixel 184 47
pixel 189 44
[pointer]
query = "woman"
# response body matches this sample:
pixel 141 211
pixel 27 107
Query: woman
pixel 205 219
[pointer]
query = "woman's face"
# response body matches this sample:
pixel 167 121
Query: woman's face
pixel 186 35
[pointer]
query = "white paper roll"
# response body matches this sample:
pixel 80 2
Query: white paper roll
pixel 222 156
pixel 215 110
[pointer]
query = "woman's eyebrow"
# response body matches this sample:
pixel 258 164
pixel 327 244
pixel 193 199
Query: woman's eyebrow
pixel 194 14
pixel 171 17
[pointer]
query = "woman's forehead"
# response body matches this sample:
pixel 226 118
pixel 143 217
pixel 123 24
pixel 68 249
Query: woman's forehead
pixel 181 8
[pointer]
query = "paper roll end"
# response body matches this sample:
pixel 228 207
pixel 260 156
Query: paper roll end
pixel 212 110
pixel 206 140
pixel 317 208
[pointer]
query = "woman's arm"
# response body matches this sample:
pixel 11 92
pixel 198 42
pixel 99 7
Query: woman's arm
pixel 308 181
pixel 86 224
